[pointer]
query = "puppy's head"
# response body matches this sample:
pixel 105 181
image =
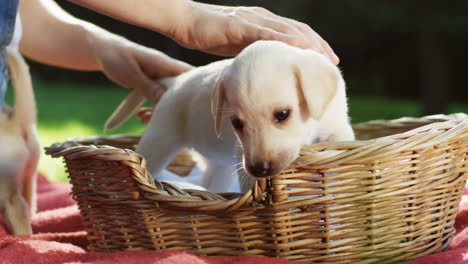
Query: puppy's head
pixel 276 95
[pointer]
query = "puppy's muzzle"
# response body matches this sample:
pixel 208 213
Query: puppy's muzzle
pixel 261 169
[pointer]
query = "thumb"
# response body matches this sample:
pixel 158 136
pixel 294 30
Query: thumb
pixel 157 64
pixel 151 89
pixel 142 82
pixel 155 92
pixel 175 67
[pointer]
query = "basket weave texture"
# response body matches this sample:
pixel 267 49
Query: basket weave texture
pixel 388 197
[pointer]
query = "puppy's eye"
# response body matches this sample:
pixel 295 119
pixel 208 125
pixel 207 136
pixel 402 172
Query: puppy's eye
pixel 281 116
pixel 237 123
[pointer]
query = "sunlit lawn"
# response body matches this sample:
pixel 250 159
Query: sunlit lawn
pixel 71 110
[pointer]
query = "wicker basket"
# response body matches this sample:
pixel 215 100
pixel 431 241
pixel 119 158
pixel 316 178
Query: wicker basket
pixel 381 200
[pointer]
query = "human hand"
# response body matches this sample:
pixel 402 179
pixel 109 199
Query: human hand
pixel 133 66
pixel 225 30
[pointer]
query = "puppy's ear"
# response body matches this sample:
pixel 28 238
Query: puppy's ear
pixel 217 103
pixel 317 81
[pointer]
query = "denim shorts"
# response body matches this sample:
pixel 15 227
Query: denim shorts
pixel 8 10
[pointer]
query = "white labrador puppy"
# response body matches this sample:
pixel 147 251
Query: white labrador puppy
pixel 19 153
pixel 272 98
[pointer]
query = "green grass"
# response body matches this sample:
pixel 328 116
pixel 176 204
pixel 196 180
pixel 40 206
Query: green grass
pixel 71 110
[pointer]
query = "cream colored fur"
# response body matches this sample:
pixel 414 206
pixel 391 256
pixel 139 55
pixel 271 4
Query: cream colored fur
pixel 266 77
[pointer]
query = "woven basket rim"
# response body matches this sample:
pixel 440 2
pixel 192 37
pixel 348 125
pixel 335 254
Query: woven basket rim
pixel 438 125
pixel 434 131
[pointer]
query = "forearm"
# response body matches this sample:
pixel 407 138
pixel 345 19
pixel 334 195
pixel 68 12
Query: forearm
pixel 52 36
pixel 157 15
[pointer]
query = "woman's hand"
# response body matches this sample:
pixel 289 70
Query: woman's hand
pixel 133 66
pixel 225 30
pixel 216 29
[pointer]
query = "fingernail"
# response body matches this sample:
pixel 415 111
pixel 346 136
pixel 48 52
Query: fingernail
pixel 335 59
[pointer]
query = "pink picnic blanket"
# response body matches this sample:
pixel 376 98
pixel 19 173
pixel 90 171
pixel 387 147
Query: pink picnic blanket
pixel 59 238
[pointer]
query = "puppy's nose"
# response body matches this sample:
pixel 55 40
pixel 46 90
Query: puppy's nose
pixel 261 169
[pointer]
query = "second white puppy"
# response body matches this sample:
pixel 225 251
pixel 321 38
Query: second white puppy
pixel 273 98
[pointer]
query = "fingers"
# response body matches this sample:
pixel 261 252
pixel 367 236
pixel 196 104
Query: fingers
pixel 227 30
pixel 319 45
pixel 154 65
pixel 151 89
pixel 245 25
pixel 144 114
pixel 137 78
pixel 157 64
pixel 331 54
pixel 124 69
pixel 134 66
pixel 262 24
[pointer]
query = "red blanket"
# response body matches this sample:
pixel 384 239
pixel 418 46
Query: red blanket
pixel 59 238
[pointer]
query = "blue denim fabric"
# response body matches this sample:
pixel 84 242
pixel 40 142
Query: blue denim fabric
pixel 8 10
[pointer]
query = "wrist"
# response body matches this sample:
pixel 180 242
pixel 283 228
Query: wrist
pixel 95 39
pixel 169 19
